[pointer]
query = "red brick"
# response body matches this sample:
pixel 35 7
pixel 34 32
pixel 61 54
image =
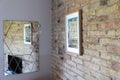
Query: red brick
pixel 85 45
pixel 116 66
pixel 109 25
pixel 66 57
pixel 112 25
pixel 98 19
pixel 113 49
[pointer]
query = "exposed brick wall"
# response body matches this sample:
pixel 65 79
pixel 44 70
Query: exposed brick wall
pixel 101 41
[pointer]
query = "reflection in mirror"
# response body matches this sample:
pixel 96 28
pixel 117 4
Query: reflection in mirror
pixel 21 47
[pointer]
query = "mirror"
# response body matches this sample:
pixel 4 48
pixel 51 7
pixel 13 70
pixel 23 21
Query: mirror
pixel 21 47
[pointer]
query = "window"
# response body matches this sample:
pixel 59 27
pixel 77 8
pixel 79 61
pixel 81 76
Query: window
pixel 72 32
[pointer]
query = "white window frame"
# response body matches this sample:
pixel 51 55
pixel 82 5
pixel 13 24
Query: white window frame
pixel 70 49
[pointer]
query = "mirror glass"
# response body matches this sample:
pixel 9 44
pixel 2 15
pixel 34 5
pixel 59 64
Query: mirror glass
pixel 21 47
